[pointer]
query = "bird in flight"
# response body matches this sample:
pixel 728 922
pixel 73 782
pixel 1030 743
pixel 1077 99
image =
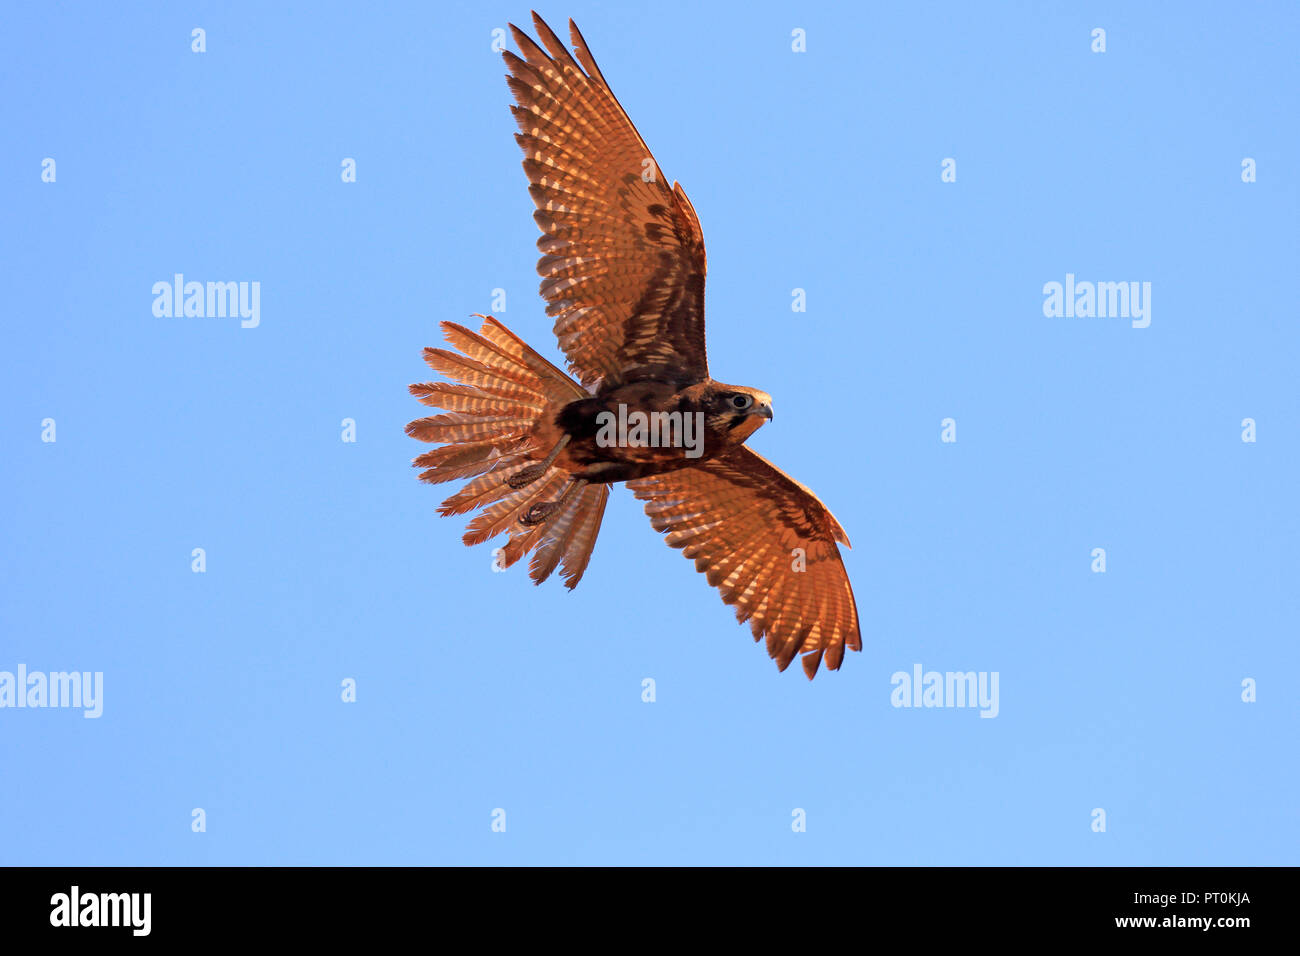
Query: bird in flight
pixel 622 271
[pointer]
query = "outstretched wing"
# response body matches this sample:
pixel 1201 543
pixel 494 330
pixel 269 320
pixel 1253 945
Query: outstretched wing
pixel 622 253
pixel 768 544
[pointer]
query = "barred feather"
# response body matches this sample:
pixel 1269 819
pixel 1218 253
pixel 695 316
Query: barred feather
pixel 500 389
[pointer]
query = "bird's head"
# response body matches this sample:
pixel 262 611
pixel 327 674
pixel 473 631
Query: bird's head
pixel 736 412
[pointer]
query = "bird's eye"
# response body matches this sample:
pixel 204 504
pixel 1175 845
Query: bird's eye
pixel 741 401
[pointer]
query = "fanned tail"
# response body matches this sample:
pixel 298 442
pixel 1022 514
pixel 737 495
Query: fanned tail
pixel 500 390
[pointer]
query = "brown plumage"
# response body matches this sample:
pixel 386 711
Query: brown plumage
pixel 623 275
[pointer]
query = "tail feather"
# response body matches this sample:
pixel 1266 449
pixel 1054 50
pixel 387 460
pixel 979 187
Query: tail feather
pixel 499 390
pixel 467 427
pixel 510 380
pixel 569 535
pixel 484 350
pixel 467 398
pixel 500 349
pixel 485 489
pixel 505 512
pixel 577 551
pixel 550 547
pixel 555 383
pixel 462 461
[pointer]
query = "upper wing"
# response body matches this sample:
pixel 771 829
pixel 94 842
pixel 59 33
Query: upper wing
pixel 622 255
pixel 741 518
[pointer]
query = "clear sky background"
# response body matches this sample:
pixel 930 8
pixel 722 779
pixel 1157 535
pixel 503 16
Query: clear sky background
pixel 475 691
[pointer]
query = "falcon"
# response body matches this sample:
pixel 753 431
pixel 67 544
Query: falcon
pixel 622 271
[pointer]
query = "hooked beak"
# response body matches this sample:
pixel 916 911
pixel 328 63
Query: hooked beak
pixel 765 410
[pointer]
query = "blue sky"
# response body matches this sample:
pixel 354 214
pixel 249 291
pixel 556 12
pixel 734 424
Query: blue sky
pixel 821 170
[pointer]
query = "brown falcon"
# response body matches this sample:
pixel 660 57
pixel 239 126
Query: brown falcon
pixel 623 275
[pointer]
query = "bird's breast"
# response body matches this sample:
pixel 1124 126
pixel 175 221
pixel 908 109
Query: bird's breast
pixel 634 431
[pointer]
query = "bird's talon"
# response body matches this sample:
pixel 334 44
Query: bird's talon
pixel 538 513
pixel 526 477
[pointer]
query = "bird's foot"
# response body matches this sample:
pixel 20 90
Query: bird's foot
pixel 526 477
pixel 539 513
pixel 521 479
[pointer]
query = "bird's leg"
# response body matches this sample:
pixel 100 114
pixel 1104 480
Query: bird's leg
pixel 530 474
pixel 540 512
